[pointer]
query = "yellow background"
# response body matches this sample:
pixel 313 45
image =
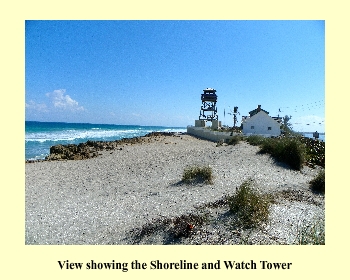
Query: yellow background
pixel 19 261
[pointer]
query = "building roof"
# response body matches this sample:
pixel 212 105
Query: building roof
pixel 209 90
pixel 257 110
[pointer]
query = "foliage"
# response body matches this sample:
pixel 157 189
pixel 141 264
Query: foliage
pixel 198 174
pixel 255 140
pixel 184 225
pixel 287 126
pixel 235 140
pixel 288 149
pixel 315 152
pixel 293 150
pixel 312 235
pixel 318 183
pixel 235 129
pixel 250 207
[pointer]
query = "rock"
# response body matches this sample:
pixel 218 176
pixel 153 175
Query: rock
pixel 91 148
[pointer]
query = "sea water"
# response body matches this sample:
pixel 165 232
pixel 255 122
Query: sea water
pixel 40 136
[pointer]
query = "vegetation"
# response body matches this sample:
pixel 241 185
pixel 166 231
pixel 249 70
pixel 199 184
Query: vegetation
pixel 184 225
pixel 315 152
pixel 255 140
pixel 287 127
pixel 235 140
pixel 288 149
pixel 250 210
pixel 234 129
pixel 250 207
pixel 174 228
pixel 198 174
pixel 318 183
pixel 312 235
pixel 293 150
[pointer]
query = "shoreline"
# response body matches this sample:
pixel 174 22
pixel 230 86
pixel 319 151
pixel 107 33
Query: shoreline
pixel 90 148
pixel 103 199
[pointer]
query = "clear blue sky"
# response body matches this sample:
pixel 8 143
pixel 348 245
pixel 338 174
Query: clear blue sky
pixel 153 72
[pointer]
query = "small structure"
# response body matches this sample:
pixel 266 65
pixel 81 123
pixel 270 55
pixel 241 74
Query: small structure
pixel 259 122
pixel 208 110
pixel 316 135
pixel 234 113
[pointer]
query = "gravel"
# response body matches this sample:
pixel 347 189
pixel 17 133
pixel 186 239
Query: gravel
pixel 105 200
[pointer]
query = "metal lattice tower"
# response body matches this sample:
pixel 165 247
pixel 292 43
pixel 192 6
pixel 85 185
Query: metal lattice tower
pixel 208 110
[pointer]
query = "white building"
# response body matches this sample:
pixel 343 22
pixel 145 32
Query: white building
pixel 259 122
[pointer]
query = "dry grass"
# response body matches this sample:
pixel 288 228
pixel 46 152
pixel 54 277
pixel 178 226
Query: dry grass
pixel 313 234
pixel 198 174
pixel 318 183
pixel 250 207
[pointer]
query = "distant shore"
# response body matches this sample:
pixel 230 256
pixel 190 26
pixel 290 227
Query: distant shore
pixel 104 199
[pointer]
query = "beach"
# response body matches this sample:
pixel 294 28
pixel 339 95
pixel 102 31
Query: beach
pixel 109 198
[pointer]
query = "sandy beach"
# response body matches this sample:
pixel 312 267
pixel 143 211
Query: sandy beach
pixel 103 200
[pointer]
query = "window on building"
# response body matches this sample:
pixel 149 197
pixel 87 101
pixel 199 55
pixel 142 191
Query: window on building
pixel 269 128
pixel 252 127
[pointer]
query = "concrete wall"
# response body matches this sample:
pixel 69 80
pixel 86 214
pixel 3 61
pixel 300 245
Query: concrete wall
pixel 208 134
pixel 215 124
pixel 199 123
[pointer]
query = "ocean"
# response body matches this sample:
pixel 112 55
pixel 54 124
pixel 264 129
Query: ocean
pixel 40 136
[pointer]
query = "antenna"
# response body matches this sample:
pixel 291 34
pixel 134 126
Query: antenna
pixel 234 113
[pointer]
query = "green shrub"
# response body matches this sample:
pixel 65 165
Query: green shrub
pixel 288 150
pixel 250 207
pixel 318 183
pixel 315 151
pixel 255 140
pixel 198 174
pixel 312 235
pixel 235 140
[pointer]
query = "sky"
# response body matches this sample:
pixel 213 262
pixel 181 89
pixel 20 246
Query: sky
pixel 153 72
